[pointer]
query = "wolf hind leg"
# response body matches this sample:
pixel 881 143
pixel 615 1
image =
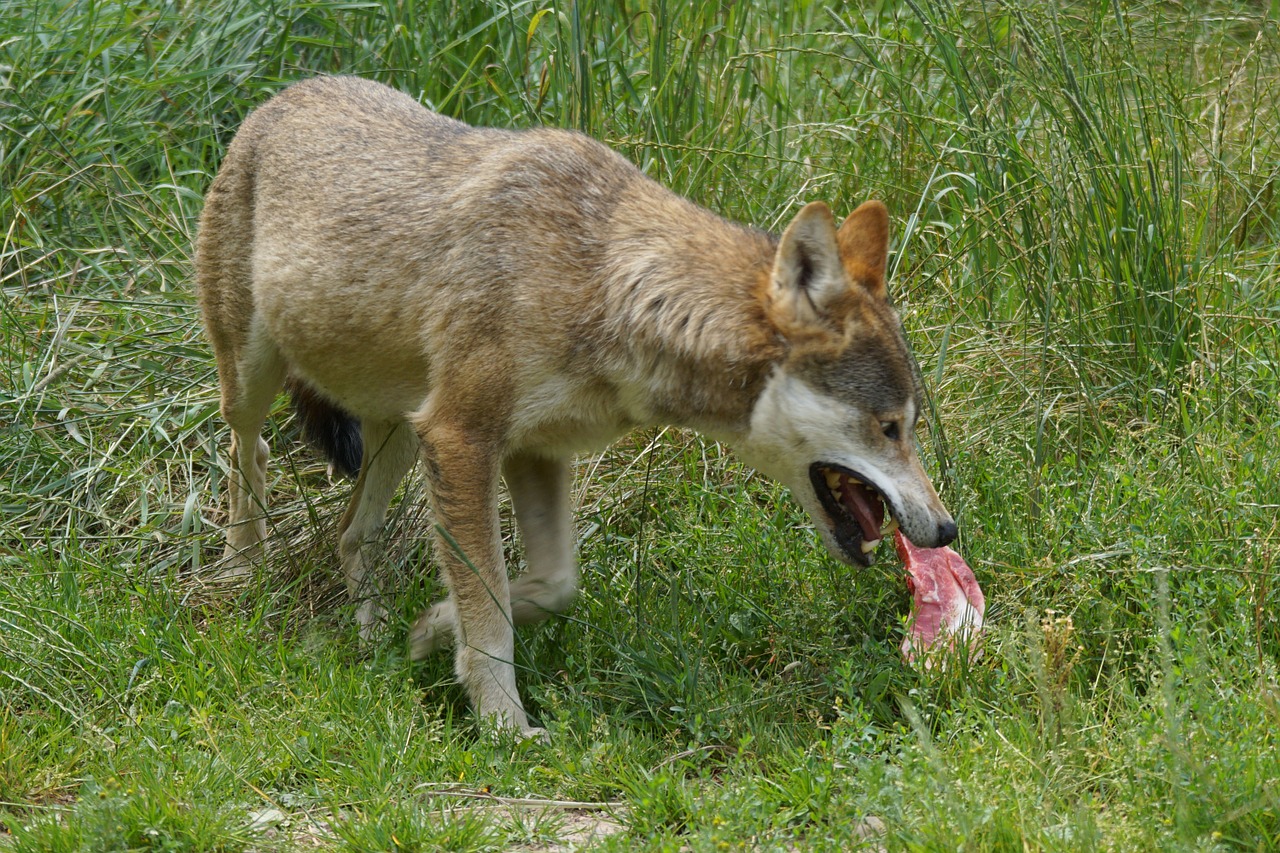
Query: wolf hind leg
pixel 539 489
pixel 259 375
pixel 389 451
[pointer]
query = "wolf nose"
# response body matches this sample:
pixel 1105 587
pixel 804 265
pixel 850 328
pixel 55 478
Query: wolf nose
pixel 947 531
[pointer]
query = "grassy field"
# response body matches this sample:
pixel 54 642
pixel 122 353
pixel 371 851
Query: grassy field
pixel 1087 260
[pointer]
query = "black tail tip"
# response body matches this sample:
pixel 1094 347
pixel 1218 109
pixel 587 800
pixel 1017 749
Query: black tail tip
pixel 327 427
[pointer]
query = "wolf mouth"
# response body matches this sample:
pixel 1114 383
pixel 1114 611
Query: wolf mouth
pixel 858 511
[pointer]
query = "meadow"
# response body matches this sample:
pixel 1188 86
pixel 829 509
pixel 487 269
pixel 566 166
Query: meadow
pixel 1086 257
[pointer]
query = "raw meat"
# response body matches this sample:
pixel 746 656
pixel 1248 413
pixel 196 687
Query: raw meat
pixel 946 601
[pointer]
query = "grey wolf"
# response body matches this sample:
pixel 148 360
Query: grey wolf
pixel 494 302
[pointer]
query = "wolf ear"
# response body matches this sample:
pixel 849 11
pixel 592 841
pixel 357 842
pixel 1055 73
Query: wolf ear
pixel 864 246
pixel 807 271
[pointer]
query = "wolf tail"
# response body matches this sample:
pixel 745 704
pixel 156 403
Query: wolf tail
pixel 327 427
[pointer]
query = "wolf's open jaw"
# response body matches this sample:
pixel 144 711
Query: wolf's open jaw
pixel 859 515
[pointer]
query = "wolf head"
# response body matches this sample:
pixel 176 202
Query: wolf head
pixel 836 420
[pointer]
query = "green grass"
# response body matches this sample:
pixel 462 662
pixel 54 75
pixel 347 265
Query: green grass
pixel 1087 258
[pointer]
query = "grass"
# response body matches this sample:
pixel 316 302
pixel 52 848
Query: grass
pixel 1087 255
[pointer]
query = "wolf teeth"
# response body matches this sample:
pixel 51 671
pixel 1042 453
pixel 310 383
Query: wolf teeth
pixel 837 481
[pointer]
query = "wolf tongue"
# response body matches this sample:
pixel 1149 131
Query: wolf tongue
pixel 865 507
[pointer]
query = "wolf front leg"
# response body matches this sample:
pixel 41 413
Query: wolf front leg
pixel 463 471
pixel 539 489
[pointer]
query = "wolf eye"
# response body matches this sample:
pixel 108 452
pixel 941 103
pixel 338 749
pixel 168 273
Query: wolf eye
pixel 890 430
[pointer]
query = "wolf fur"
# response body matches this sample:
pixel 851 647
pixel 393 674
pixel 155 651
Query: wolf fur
pixel 493 302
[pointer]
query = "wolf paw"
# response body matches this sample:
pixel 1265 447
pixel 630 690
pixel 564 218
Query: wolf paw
pixel 537 734
pixel 509 733
pixel 234 569
pixel 432 631
pixel 370 617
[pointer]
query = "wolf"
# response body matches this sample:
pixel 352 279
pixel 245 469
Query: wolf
pixel 493 302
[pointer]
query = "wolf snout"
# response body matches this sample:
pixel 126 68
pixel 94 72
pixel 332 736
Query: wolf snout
pixel 929 532
pixel 946 532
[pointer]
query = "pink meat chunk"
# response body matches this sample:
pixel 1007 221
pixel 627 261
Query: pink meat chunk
pixel 946 604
